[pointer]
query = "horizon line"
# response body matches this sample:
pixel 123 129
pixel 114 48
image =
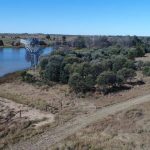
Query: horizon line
pixel 36 33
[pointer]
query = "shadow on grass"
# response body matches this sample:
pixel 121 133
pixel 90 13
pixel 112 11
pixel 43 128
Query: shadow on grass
pixel 128 86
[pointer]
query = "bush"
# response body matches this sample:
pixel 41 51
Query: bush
pixel 48 37
pixel 1 43
pixel 146 70
pixel 107 78
pixel 79 43
pixel 66 67
pixel 27 77
pixel 132 53
pixel 118 63
pixel 126 73
pixel 43 63
pixel 65 73
pixel 140 52
pixel 81 84
pixel 23 75
pixel 53 68
pixel 108 67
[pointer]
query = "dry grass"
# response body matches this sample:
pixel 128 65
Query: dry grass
pixel 144 59
pixel 127 130
pixel 115 132
pixel 38 97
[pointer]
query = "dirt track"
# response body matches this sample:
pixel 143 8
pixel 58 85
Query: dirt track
pixel 47 139
pixel 28 112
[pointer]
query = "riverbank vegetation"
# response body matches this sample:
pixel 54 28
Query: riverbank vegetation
pixel 105 67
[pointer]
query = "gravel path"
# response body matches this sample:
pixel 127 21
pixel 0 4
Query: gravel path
pixel 46 140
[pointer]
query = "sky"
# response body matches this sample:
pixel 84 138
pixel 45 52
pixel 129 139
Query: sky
pixel 88 17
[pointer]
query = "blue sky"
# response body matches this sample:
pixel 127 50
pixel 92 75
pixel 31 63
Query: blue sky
pixel 98 17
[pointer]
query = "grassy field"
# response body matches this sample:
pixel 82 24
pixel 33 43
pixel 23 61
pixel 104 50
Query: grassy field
pixel 67 106
pixel 127 130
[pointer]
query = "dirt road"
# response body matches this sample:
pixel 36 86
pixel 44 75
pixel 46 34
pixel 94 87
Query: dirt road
pixel 46 140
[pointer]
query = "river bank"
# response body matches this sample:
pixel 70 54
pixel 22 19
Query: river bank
pixel 10 77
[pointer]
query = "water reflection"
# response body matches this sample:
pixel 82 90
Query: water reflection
pixel 14 59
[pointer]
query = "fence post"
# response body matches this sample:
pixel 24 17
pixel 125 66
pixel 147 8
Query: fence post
pixel 46 108
pixel 20 113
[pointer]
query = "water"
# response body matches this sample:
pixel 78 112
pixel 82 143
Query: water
pixel 15 59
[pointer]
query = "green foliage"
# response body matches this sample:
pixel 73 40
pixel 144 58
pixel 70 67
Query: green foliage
pixel 64 40
pixel 126 73
pixel 43 63
pixel 81 83
pixel 107 78
pixel 140 52
pixel 27 77
pixel 108 68
pixel 52 71
pixel 118 62
pixel 146 70
pixel 48 37
pixel 1 43
pixel 132 53
pixel 79 43
pixel 23 74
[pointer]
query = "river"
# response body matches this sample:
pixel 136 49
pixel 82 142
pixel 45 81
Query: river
pixel 16 59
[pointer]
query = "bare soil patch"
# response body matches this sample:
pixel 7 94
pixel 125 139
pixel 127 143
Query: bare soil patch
pixel 144 59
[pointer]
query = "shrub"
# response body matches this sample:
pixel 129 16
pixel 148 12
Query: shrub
pixel 140 52
pixel 132 53
pixel 1 43
pixel 79 42
pixel 107 78
pixel 118 62
pixel 23 74
pixel 27 77
pixel 81 84
pixel 126 73
pixel 146 70
pixel 52 70
pixel 48 37
pixel 43 63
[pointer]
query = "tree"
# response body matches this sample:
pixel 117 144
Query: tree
pixel 136 41
pixel 140 52
pixel 66 67
pixel 132 53
pixel 1 43
pixel 52 71
pixel 80 83
pixel 64 40
pixel 102 42
pixel 79 42
pixel 43 63
pixel 96 69
pixel 118 62
pixel 48 37
pixel 127 73
pixel 107 78
pixel 82 68
pixel 130 64
pixel 146 70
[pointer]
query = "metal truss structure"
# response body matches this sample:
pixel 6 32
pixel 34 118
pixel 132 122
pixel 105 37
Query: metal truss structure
pixel 33 48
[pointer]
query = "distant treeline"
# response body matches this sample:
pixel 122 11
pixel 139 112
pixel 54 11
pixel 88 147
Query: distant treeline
pixel 75 41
